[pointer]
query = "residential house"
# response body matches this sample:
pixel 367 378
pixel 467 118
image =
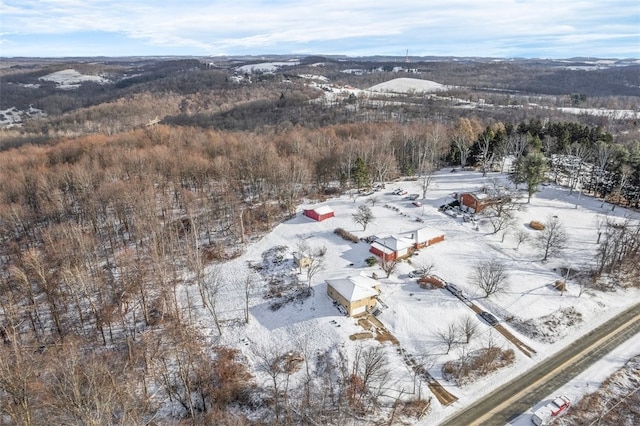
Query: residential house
pixel 392 247
pixel 426 236
pixel 474 202
pixel 356 294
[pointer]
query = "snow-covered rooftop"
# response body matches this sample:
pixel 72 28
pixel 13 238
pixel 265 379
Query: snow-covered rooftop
pixel 427 233
pixel 322 210
pixel 394 242
pixel 354 288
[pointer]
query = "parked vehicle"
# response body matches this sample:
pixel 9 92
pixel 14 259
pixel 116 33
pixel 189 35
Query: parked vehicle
pixel 544 415
pixel 417 203
pixel 416 273
pixel 414 197
pixel 488 317
pixel 453 289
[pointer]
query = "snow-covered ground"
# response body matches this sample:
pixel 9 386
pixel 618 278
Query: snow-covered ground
pixel 589 380
pixel 71 79
pixel 12 117
pixel 409 85
pixel 265 66
pixel 617 114
pixel 414 315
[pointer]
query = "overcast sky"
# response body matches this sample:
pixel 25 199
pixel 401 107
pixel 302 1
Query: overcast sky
pixel 493 28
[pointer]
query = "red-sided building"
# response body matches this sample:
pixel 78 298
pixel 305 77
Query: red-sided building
pixel 319 213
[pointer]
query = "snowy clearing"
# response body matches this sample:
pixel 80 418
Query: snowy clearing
pixel 408 85
pixel 414 315
pixel 265 66
pixel 71 79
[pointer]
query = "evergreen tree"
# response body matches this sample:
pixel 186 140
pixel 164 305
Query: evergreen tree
pixel 359 173
pixel 533 169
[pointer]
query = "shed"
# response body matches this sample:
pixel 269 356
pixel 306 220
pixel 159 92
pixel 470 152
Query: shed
pixel 392 247
pixel 426 236
pixel 319 213
pixel 355 294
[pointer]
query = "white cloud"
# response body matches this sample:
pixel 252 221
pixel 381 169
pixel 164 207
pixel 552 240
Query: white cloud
pixel 279 26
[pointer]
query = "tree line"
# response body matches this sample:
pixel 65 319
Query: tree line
pixel 104 240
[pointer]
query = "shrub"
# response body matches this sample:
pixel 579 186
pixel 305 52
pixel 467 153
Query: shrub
pixel 560 285
pixel 371 261
pixel 538 226
pixel 478 364
pixel 346 235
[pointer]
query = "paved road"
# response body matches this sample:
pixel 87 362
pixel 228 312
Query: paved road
pixel 515 397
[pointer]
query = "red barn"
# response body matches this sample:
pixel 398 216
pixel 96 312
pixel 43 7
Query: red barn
pixel 319 213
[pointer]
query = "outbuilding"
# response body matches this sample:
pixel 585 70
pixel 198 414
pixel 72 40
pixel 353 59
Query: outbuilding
pixel 356 294
pixel 319 213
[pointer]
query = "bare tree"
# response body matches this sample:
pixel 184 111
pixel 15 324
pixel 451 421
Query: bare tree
pixel 521 236
pixel 490 276
pixel 425 266
pixel 425 180
pixel 271 362
pixel 552 239
pixel 363 216
pixel 602 153
pixel 501 222
pixel 448 336
pixel 248 285
pixel 463 148
pixel 209 294
pixel 316 263
pixel 370 373
pixel 485 157
pixel 619 248
pixel 468 327
pixel 577 154
pixel 388 265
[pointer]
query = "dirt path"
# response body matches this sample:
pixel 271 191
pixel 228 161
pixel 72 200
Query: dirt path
pixel 523 347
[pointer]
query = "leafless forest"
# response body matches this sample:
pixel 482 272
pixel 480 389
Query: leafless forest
pixel 107 216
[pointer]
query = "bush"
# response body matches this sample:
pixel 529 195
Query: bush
pixel 346 235
pixel 478 364
pixel 560 285
pixel 371 261
pixel 538 226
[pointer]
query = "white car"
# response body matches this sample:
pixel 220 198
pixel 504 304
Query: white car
pixel 543 415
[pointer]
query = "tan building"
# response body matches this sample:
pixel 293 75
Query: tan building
pixel 356 294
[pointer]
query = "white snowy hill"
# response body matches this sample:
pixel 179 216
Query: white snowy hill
pixel 408 85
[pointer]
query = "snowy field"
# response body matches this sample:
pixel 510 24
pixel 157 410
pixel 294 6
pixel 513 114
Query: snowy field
pixel 71 79
pixel 408 85
pixel 267 67
pixel 414 315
